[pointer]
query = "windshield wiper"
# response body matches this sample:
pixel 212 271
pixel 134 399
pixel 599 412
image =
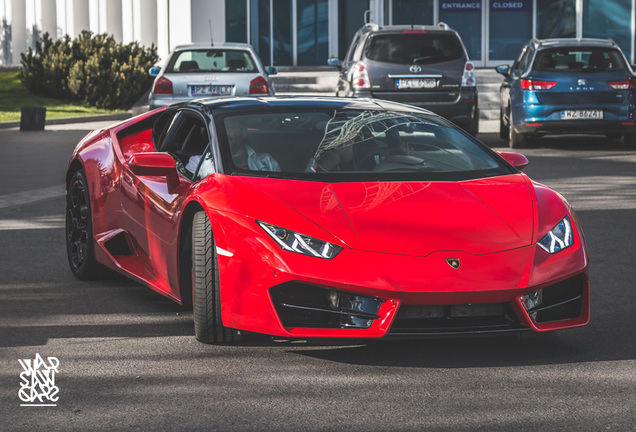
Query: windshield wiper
pixel 421 59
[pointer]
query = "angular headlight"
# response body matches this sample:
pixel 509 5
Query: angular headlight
pixel 300 243
pixel 559 237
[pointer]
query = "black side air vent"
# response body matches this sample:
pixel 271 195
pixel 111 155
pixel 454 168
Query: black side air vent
pixel 118 245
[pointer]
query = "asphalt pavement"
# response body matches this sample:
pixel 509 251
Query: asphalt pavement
pixel 128 359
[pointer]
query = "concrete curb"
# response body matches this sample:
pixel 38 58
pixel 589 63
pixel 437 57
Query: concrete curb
pixel 68 120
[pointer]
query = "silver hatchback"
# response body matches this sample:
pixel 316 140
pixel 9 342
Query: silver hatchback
pixel 203 70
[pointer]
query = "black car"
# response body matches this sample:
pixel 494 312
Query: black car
pixel 425 66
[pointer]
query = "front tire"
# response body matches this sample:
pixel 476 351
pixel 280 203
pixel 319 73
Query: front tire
pixel 206 293
pixel 79 230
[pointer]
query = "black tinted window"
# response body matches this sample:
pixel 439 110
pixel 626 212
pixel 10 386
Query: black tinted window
pixel 575 60
pixel 522 64
pixel 422 48
pixel 350 144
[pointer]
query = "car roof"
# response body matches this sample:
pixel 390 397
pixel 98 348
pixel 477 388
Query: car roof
pixel 572 42
pixel 441 27
pixel 232 45
pixel 316 102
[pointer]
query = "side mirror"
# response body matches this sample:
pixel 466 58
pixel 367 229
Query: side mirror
pixel 633 67
pixel 503 69
pixel 333 61
pixel 154 71
pixel 153 164
pixel 272 71
pixel 515 159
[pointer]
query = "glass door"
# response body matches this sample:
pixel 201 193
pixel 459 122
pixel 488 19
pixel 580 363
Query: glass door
pixel 466 19
pixel 509 27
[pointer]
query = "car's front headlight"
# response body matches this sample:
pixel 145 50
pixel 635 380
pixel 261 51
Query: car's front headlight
pixel 300 243
pixel 559 237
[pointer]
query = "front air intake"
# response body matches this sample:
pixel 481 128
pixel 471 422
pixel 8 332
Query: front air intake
pixel 302 305
pixel 454 319
pixel 560 301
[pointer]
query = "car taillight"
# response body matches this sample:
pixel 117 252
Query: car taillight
pixel 529 84
pixel 468 78
pixel 623 84
pixel 360 77
pixel 163 86
pixel 259 85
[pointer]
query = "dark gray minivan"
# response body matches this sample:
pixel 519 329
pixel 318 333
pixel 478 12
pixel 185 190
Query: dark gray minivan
pixel 424 66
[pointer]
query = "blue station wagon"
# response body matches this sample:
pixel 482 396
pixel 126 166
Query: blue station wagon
pixel 566 86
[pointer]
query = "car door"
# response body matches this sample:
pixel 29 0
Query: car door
pixel 510 91
pixel 156 201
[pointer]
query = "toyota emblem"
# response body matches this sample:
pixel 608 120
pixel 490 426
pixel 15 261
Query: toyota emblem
pixel 415 69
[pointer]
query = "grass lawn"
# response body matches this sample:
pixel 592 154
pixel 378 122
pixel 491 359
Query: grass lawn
pixel 13 96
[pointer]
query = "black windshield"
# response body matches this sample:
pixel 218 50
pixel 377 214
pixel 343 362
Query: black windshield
pixel 352 145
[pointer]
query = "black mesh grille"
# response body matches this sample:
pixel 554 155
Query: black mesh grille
pixel 466 318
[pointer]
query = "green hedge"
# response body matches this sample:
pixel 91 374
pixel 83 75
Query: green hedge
pixel 93 69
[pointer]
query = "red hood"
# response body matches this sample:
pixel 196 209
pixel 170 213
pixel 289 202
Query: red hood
pixel 415 218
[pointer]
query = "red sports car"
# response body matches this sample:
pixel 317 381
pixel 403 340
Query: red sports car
pixel 324 217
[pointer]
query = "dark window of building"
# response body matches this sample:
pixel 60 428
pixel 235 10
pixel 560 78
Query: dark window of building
pixel 465 19
pixel 556 19
pixel 510 28
pixel 609 19
pixel 413 12
pixel 313 32
pixel 350 19
pixel 283 32
pixel 235 21
pixel 259 29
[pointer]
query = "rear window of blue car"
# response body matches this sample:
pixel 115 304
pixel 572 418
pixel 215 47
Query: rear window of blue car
pixel 212 60
pixel 577 60
pixel 415 47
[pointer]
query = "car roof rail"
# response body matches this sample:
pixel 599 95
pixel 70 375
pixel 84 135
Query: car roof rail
pixel 371 26
pixel 443 25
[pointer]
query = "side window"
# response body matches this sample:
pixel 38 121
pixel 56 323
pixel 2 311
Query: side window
pixel 161 127
pixel 205 165
pixel 352 48
pixel 185 139
pixel 524 61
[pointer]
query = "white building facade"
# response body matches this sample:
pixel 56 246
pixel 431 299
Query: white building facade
pixel 304 33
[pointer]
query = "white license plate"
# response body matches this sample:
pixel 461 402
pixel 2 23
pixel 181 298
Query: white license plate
pixel 211 90
pixel 416 83
pixel 581 114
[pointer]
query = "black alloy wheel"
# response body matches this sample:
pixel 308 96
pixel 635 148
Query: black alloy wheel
pixel 79 234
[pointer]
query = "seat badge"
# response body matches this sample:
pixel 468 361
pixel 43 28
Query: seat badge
pixel 453 262
pixel 581 82
pixel 415 68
